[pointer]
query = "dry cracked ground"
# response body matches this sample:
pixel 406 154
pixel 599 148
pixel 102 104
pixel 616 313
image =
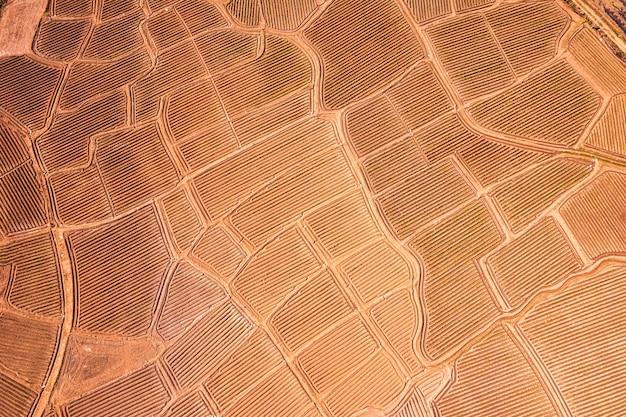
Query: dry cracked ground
pixel 400 208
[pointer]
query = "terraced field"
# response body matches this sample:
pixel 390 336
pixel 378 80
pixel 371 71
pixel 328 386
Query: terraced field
pixel 329 208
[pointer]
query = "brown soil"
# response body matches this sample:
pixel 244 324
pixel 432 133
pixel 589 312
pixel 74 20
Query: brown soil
pixel 276 208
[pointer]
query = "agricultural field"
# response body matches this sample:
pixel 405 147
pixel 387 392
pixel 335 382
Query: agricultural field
pixel 310 208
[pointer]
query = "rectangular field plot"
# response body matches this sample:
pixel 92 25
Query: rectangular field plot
pixel 523 198
pixel 418 200
pixel 540 258
pixel 553 105
pixel 589 313
pixel 224 185
pixel 598 60
pixel 275 272
pixel 316 306
pixel 293 193
pixel 514 384
pixel 248 365
pixel 470 56
pixel 336 354
pixel 376 270
pixel 528 32
pixel 119 282
pixel 344 225
pixel 393 164
pixel 397 317
pixel 135 167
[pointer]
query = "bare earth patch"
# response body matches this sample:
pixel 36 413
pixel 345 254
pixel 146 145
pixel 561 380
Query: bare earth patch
pixel 18 24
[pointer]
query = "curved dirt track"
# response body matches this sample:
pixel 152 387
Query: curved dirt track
pixel 398 208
